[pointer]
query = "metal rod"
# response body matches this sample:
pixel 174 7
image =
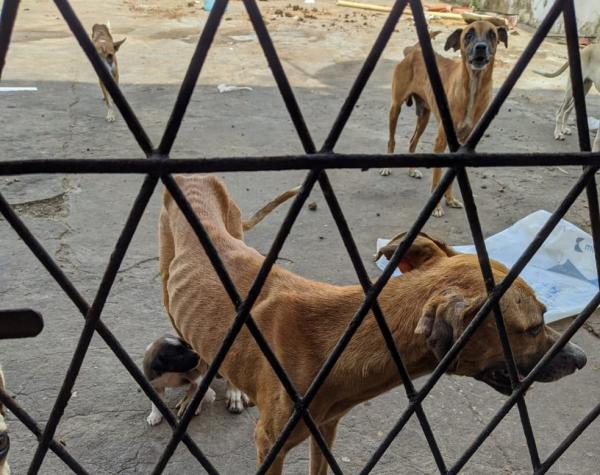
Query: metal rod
pixel 105 76
pixel 527 382
pixel 483 312
pixel 365 282
pixel 280 77
pixel 488 277
pixel 364 75
pixel 294 162
pixel 433 73
pixel 30 423
pixel 7 23
pixel 191 76
pixel 360 314
pixel 570 22
pixel 91 320
pixel 522 63
pixel 244 307
pixel 572 437
pixel 111 341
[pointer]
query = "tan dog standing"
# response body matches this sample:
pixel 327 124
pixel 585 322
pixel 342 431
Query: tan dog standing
pixel 590 70
pixel 468 86
pixel 427 309
pixel 107 49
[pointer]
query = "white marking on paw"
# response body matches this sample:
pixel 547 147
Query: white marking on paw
pixel 413 172
pixel 155 417
pixel 385 172
pixel 236 401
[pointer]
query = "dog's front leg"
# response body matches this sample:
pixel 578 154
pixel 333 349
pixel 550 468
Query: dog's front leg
pixel 318 463
pixel 235 399
pixel 155 417
pixel 209 397
pixel 596 147
pixel 110 113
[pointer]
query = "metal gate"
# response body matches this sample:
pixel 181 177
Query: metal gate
pixel 159 167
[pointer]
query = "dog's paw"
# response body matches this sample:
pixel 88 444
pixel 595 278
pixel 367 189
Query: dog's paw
pixel 438 212
pixel 413 172
pixel 567 130
pixel 559 136
pixel 154 418
pixel 454 203
pixel 110 116
pixel 236 401
pixel 385 172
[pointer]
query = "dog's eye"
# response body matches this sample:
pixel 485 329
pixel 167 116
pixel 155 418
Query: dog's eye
pixel 4 441
pixel 535 331
pixel 469 35
pixel 492 35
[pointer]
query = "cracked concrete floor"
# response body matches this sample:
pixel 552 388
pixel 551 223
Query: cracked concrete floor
pixel 78 219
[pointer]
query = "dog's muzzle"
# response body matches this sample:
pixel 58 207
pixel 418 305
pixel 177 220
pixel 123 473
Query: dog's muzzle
pixel 480 56
pixel 4 445
pixel 566 361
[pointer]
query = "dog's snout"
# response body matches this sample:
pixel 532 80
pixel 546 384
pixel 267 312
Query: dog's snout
pixel 578 355
pixel 480 48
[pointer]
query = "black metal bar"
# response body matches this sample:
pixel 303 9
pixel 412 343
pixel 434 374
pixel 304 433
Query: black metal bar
pixel 570 22
pixel 91 321
pixel 20 323
pixel 515 74
pixel 279 74
pixel 105 76
pixel 111 341
pixel 364 75
pixel 360 314
pixel 191 76
pixel 488 277
pixel 527 382
pixel 483 312
pixel 366 284
pixel 575 433
pixel 7 23
pixel 30 423
pixel 434 74
pixel 245 307
pixel 295 162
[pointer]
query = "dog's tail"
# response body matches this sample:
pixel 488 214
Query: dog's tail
pixel 554 74
pixel 432 35
pixel 269 207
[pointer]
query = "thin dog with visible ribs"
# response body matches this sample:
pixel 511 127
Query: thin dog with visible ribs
pixel 427 309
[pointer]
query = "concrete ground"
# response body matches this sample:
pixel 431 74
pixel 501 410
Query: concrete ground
pixel 78 219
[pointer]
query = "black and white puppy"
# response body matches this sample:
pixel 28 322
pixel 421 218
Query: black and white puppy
pixel 169 362
pixel 4 439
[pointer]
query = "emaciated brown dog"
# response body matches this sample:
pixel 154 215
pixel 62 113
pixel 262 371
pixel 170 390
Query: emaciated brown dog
pixel 427 308
pixel 468 86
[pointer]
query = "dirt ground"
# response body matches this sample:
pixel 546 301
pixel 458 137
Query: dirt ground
pixel 78 219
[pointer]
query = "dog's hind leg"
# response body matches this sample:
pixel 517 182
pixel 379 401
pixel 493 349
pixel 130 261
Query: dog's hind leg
pixel 395 109
pixel 318 463
pixel 423 115
pixel 566 108
pixel 596 147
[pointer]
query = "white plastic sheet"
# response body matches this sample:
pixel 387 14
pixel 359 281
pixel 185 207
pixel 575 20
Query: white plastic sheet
pixel 562 272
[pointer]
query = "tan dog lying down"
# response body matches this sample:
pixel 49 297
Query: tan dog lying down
pixel 427 309
pixel 4 438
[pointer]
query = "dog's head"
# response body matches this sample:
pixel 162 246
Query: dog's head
pixel 457 295
pixel 105 46
pixel 478 43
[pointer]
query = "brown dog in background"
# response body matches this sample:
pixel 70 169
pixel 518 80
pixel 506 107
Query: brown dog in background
pixel 107 49
pixel 468 86
pixel 427 309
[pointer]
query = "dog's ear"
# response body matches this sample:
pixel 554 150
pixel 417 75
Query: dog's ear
pixel 424 251
pixel 117 44
pixel 453 40
pixel 443 319
pixel 502 35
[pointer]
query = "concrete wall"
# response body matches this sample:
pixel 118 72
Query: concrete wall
pixel 533 11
